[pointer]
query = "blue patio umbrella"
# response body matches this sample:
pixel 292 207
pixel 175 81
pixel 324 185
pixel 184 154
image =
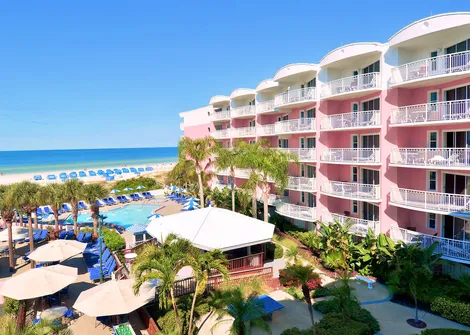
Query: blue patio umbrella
pixel 91 173
pixel 140 187
pixel 190 207
pixel 114 191
pixel 125 170
pixel 154 216
pixel 109 171
pixel 63 175
pixel 190 202
pixel 128 189
pixel 193 199
pixel 101 173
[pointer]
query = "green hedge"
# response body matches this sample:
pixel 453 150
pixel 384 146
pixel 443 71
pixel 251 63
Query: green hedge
pixel 321 292
pixel 278 251
pixel 113 240
pixel 444 331
pixel 358 314
pixel 11 306
pixel 297 331
pixel 295 292
pixel 337 324
pixel 147 182
pixel 452 310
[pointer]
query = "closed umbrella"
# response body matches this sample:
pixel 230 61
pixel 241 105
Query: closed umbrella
pixel 128 189
pixel 39 282
pixel 57 251
pixel 114 297
pixel 140 187
pixel 114 191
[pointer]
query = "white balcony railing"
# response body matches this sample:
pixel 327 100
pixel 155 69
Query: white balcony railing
pixel 370 156
pixel 431 67
pixel 244 132
pixel 351 84
pixel 265 106
pixel 249 110
pixel 266 130
pixel 429 201
pixel 302 184
pixel 297 212
pixel 360 226
pixel 221 134
pixel 295 96
pixel 302 125
pixel 354 191
pixel 431 158
pixel 448 247
pixel 242 173
pixel 351 120
pixel 437 112
pixel 304 155
pixel 222 115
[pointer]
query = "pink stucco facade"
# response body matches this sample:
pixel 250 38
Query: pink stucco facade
pixel 382 131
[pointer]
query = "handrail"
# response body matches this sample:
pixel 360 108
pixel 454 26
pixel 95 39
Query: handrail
pixel 360 226
pixel 294 96
pixel 303 154
pixel 296 211
pixel 354 191
pixel 295 126
pixel 351 84
pixel 265 106
pixel 351 120
pixel 247 110
pixel 222 115
pixel 301 184
pixel 431 157
pixel 351 155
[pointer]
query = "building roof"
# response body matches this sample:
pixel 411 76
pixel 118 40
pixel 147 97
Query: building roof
pixel 213 228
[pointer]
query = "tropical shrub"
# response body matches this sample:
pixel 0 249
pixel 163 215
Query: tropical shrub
pixel 314 283
pixel 278 251
pixel 452 310
pixel 444 331
pixel 11 306
pixel 295 292
pixel 321 292
pixel 297 331
pixel 113 240
pixel 147 182
pixel 337 324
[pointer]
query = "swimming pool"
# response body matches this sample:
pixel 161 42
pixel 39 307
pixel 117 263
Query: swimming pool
pixel 125 216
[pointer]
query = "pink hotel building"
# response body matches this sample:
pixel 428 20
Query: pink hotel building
pixel 381 130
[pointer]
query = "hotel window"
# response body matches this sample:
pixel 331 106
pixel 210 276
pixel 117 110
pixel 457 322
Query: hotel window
pixel 459 93
pixel 311 113
pixel 252 141
pixel 371 105
pixel 355 107
pixel 355 207
pixel 312 83
pixel 459 47
pixel 252 123
pixel 432 142
pixel 302 197
pixel 302 170
pixel 355 142
pixel 432 221
pixel 311 142
pixel 432 181
pixel 354 174
pixel 286 193
pixel 433 97
pixel 302 143
pixel 375 67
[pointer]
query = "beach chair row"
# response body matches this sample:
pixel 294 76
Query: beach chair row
pixel 92 259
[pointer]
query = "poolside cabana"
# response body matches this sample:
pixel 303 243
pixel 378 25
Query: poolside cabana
pixel 240 237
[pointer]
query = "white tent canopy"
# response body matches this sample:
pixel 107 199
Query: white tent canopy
pixel 213 228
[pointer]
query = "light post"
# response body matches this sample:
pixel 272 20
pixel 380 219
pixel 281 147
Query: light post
pixel 101 218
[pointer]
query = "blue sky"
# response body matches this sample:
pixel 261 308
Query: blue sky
pixel 91 74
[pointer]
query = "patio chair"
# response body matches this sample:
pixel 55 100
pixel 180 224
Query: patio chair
pixel 69 235
pixel 62 235
pixel 80 236
pixel 87 237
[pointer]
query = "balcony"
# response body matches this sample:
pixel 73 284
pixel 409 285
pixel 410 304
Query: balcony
pixel 303 155
pixel 346 156
pixel 302 184
pixel 220 116
pixel 242 173
pixel 446 112
pixel 295 98
pixel 296 212
pixel 443 158
pixel 351 87
pixel 451 249
pixel 360 226
pixel 433 70
pixel 303 125
pixel 221 134
pixel 243 112
pixel 265 107
pixel 348 121
pixel 266 130
pixel 352 191
pixel 244 132
pixel 425 201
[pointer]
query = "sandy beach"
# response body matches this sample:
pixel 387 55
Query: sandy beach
pixel 14 178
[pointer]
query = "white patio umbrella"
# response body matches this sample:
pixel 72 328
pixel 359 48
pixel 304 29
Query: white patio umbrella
pixel 114 191
pixel 114 297
pixel 18 233
pixel 57 251
pixel 140 187
pixel 39 282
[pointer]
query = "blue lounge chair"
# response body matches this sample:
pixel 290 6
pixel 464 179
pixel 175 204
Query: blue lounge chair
pixel 42 236
pixel 138 197
pixel 109 171
pixel 82 174
pixel 62 235
pixel 47 210
pixel 125 170
pixel 112 201
pixel 106 202
pixel 39 211
pixel 37 177
pixel 133 197
pixel 101 173
pixel 140 170
pixel 66 208
pixel 133 169
pixel 80 236
pixel 107 272
pixel 99 203
pixel 82 205
pixel 92 173
pixel 69 235
pixel 149 168
pixel 51 177
pixel 126 198
pixel 87 237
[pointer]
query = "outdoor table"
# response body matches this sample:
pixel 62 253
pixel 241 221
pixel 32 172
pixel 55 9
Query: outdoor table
pixel 130 258
pixel 123 329
pixel 54 313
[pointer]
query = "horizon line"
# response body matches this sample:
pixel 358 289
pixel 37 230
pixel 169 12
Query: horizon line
pixel 108 148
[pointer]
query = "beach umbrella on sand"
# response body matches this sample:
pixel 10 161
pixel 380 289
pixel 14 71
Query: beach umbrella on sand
pixel 114 297
pixel 154 216
pixel 39 282
pixel 128 189
pixel 140 187
pixel 57 251
pixel 114 191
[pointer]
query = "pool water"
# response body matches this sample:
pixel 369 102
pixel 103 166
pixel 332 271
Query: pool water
pixel 125 216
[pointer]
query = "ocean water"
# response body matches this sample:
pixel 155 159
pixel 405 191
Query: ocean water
pixel 13 162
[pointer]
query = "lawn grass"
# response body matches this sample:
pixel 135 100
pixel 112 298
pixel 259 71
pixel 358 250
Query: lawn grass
pixel 284 241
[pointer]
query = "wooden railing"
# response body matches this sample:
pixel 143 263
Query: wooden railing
pixel 247 262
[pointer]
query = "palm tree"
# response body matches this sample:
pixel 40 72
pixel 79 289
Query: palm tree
pixel 9 326
pixel 199 152
pixel 92 192
pixel 8 213
pixel 203 263
pixel 54 196
pixel 413 270
pixel 244 199
pixel 249 158
pixel 162 263
pixel 73 190
pixel 24 197
pixel 292 254
pixel 299 275
pixel 245 311
pixel 228 159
